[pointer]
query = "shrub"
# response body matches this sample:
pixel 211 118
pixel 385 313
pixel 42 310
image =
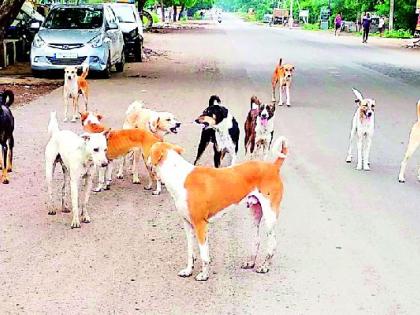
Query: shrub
pixel 197 15
pixel 311 27
pixel 398 34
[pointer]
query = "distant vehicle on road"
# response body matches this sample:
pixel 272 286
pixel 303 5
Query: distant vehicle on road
pixel 132 29
pixel 73 35
pixel 280 16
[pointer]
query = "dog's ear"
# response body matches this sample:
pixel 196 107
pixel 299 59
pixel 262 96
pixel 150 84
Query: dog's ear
pixel 83 116
pixel 99 116
pixel 154 123
pixel 293 68
pixel 106 132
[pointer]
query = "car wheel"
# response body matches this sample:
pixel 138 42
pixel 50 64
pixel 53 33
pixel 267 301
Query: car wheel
pixel 106 74
pixel 119 66
pixel 37 73
pixel 138 55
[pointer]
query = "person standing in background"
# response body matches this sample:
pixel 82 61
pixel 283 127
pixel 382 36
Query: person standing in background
pixel 381 26
pixel 366 26
pixel 338 20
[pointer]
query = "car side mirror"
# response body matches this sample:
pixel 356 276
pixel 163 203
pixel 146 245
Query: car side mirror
pixel 112 26
pixel 35 25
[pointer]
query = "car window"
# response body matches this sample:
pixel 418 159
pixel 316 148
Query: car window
pixel 110 16
pixel 125 14
pixel 74 18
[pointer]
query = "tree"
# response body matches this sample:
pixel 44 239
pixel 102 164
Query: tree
pixel 9 9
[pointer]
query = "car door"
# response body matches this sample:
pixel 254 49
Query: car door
pixel 112 34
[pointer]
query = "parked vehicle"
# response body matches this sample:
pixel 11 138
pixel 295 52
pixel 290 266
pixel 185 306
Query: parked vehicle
pixel 132 29
pixel 76 35
pixel 280 16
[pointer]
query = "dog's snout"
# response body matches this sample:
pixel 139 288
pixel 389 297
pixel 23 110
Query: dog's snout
pixel 104 164
pixel 369 114
pixel 69 77
pixel 178 124
pixel 197 121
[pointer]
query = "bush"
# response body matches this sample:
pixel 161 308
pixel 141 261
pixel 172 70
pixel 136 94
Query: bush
pixel 197 15
pixel 183 18
pixel 154 16
pixel 311 27
pixel 398 34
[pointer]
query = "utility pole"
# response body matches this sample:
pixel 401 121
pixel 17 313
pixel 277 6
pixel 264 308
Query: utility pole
pixel 391 15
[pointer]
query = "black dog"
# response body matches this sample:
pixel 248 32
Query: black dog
pixel 220 128
pixel 7 125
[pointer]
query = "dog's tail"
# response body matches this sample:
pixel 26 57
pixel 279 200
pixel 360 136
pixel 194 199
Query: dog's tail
pixel 134 106
pixel 213 99
pixel 53 124
pixel 85 71
pixel 280 61
pixel 7 98
pixel 418 111
pixel 280 150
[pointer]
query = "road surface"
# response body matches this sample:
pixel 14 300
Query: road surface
pixel 348 241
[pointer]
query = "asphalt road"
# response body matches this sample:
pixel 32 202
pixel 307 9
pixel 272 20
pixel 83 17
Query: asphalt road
pixel 348 241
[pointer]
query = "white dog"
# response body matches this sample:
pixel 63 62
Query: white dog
pixel 363 125
pixel 79 156
pixel 74 86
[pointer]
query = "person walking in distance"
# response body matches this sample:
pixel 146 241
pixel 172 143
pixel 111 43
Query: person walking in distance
pixel 381 26
pixel 338 20
pixel 367 20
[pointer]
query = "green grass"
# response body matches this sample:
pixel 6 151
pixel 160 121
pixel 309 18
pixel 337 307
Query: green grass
pixel 311 27
pixel 398 34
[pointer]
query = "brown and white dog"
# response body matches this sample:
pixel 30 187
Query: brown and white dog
pixel 75 85
pixel 259 128
pixel 413 144
pixel 120 142
pixel 158 123
pixel 282 77
pixel 202 193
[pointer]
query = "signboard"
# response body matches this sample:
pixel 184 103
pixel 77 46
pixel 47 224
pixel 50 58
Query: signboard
pixel 418 23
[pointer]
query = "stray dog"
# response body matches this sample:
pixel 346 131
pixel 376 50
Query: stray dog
pixel 364 125
pixel 158 123
pixel 74 86
pixel 203 193
pixel 413 143
pixel 79 156
pixel 220 128
pixel 120 143
pixel 282 76
pixel 7 125
pixel 259 128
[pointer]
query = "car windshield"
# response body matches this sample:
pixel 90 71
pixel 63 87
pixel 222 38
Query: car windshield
pixel 124 14
pixel 74 18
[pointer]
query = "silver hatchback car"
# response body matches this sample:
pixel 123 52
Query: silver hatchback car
pixel 75 35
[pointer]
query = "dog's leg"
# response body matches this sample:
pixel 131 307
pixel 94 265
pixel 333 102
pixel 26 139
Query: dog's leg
pixel 203 244
pixel 85 218
pixel 64 205
pixel 201 148
pixel 288 95
pixel 158 184
pixel 101 179
pixel 5 178
pixel 366 153
pixel 50 156
pixel 270 220
pixel 217 158
pixel 74 187
pixel 257 213
pixel 273 96
pixel 233 154
pixel 66 107
pixel 349 152
pixel 74 99
pixel 280 95
pixel 108 175
pixel 85 99
pixel 360 139
pixel 412 146
pixel 120 174
pixel 10 146
pixel 136 160
pixel 189 232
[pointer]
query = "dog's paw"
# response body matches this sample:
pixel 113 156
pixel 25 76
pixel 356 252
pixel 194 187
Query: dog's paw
pixel 85 219
pixel 402 180
pixel 366 167
pixel 262 269
pixel 65 209
pixel 5 181
pixel 52 212
pixel 65 119
pixel 97 189
pixel 348 159
pixel 136 180
pixel 120 176
pixel 107 187
pixel 202 276
pixel 184 273
pixel 75 224
pixel 359 167
pixel 156 192
pixel 248 265
pixel 9 170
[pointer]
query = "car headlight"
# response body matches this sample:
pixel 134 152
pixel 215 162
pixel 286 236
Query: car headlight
pixel 38 42
pixel 97 41
pixel 133 33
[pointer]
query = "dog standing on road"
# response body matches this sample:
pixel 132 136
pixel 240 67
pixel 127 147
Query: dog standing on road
pixel 7 125
pixel 75 85
pixel 220 128
pixel 363 125
pixel 201 194
pixel 259 128
pixel 79 157
pixel 413 143
pixel 282 77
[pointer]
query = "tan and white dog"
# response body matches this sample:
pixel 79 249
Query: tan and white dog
pixel 202 193
pixel 282 77
pixel 413 144
pixel 363 125
pixel 158 123
pixel 75 85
